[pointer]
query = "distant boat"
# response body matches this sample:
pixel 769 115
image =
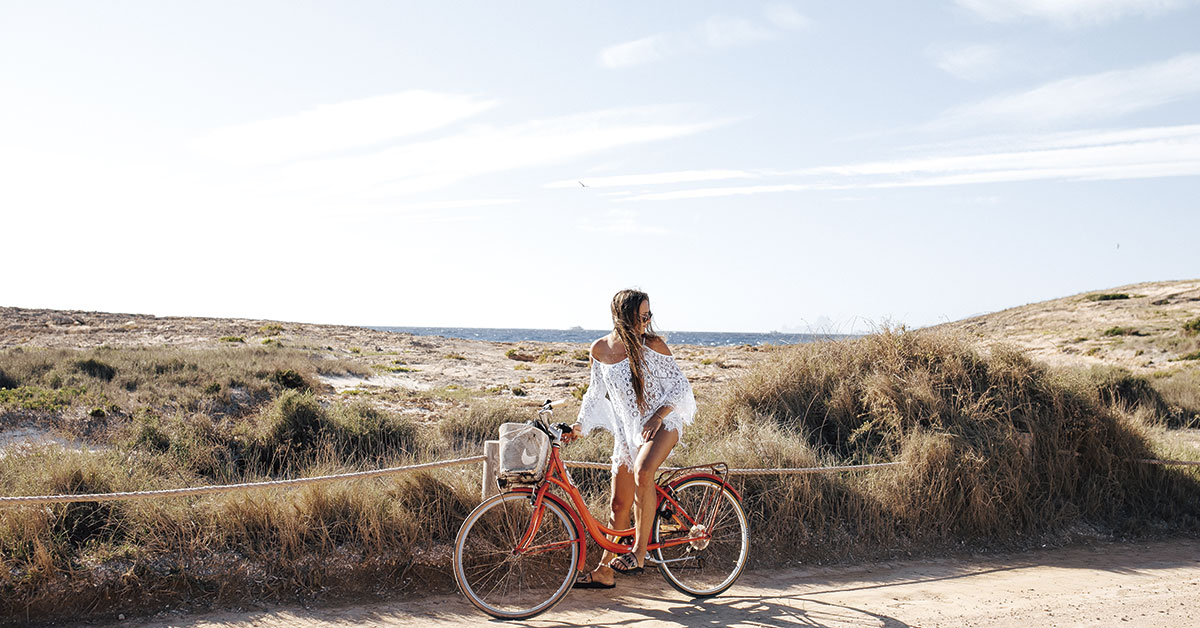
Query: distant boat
pixel 575 328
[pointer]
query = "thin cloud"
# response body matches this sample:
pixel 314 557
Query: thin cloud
pixel 1085 98
pixel 1100 155
pixel 338 127
pixel 973 62
pixel 719 31
pixel 418 167
pixel 659 178
pixel 786 16
pixel 716 32
pixel 1069 13
pixel 637 52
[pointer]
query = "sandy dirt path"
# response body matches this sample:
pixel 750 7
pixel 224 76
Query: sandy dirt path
pixel 1136 584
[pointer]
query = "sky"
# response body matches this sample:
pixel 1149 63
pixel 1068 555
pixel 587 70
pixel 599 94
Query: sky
pixel 835 166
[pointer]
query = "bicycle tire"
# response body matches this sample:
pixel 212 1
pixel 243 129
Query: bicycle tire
pixel 704 569
pixel 506 585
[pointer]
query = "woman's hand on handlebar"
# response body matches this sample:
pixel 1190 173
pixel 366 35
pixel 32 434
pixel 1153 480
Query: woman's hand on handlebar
pixel 576 432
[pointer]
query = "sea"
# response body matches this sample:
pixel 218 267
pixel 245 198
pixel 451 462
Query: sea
pixel 586 336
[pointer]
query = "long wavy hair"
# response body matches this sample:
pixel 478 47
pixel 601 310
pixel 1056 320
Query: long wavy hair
pixel 625 305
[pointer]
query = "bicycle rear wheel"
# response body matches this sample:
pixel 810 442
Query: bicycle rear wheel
pixel 706 566
pixel 505 584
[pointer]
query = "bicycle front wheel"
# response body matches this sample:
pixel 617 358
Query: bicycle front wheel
pixel 502 582
pixel 713 517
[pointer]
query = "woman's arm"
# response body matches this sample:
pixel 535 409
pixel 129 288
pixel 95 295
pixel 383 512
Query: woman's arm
pixel 678 403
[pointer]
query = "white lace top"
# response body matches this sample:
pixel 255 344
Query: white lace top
pixel 611 404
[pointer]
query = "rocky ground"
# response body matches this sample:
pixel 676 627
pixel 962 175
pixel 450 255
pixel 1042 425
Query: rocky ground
pixel 395 363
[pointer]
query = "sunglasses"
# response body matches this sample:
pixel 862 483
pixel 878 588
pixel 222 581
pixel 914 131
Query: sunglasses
pixel 647 316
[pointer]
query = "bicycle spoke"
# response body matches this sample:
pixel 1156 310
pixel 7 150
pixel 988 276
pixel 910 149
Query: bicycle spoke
pixel 715 546
pixel 511 584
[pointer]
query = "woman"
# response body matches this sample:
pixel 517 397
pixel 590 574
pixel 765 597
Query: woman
pixel 638 393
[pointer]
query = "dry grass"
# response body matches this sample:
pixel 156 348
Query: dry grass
pixel 959 420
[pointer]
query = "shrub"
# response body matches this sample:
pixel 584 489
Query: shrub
pixel 1115 385
pixel 290 379
pixel 1107 297
pixel 1195 355
pixel 548 354
pixel 296 420
pixel 514 354
pixel 95 368
pixel 454 356
pixel 1122 331
pixel 41 399
pixel 955 417
pixel 271 329
pixel 388 368
pixel 363 432
pixel 480 423
pixel 1192 326
pixel 6 381
pixel 233 339
pixel 83 522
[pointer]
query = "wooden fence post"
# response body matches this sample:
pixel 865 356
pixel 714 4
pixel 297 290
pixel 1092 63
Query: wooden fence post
pixel 491 464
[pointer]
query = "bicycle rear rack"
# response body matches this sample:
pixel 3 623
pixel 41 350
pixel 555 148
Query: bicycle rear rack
pixel 719 469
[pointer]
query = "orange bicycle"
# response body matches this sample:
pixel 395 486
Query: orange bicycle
pixel 518 553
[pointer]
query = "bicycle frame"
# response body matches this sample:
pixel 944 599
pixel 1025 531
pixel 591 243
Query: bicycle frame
pixel 581 516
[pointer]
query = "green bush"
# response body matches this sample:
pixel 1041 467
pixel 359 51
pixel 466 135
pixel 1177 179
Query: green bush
pixel 1192 326
pixel 296 419
pixel 1107 297
pixel 36 398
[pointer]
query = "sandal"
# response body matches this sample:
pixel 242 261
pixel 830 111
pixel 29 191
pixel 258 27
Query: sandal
pixel 584 581
pixel 625 564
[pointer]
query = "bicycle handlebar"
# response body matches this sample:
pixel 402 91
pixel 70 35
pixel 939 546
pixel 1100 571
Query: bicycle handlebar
pixel 543 423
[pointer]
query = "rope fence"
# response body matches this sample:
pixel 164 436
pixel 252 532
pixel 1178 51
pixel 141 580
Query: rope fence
pixel 374 473
pixel 770 471
pixel 230 488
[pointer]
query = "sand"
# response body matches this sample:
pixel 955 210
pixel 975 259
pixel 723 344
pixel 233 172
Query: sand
pixel 1148 584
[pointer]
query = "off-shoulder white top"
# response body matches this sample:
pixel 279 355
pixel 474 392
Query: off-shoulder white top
pixel 611 404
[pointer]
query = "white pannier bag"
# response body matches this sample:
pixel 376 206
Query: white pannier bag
pixel 523 453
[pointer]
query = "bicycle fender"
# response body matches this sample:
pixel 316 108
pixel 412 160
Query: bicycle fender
pixel 580 532
pixel 709 476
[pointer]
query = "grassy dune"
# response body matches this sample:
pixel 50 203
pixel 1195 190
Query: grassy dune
pixel 1001 452
pixel 1148 328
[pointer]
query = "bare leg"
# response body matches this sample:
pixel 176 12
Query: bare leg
pixel 649 458
pixel 618 518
